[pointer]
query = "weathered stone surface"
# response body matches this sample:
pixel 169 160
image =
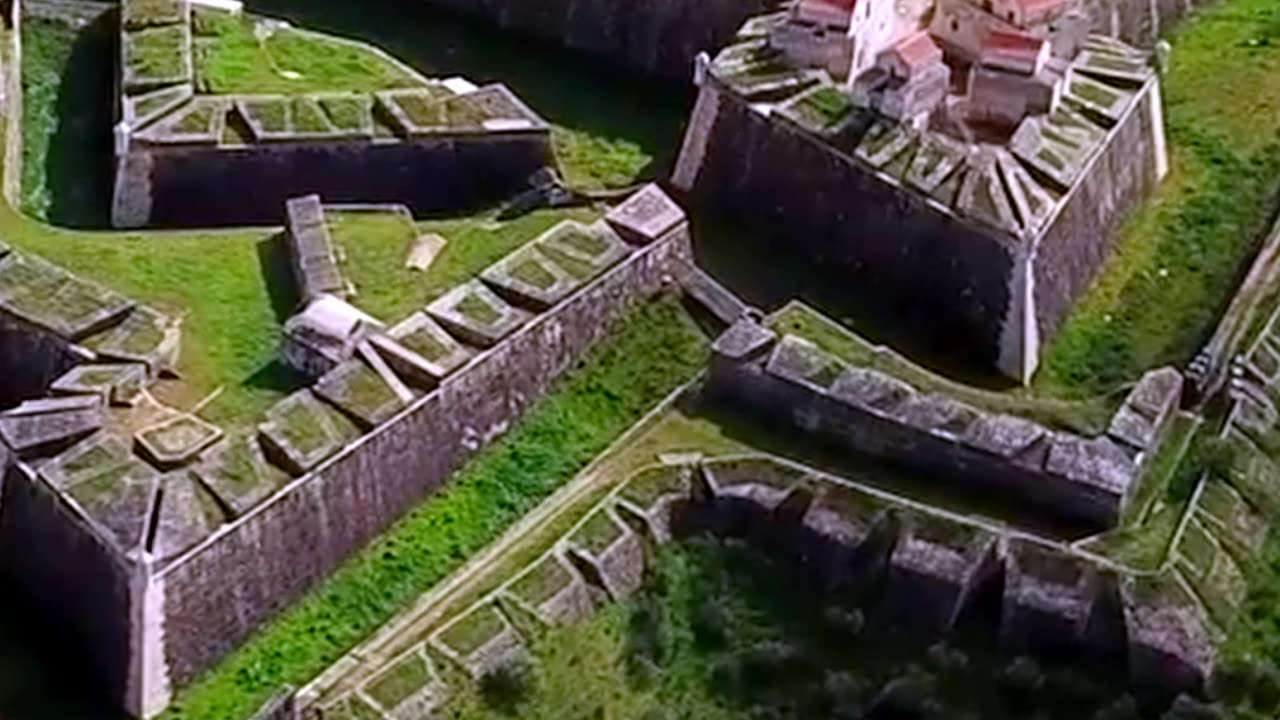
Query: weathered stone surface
pixel 41 425
pixel 237 471
pixel 176 441
pixel 744 340
pixel 1147 408
pixel 144 336
pixel 433 354
pixel 118 384
pixel 325 333
pixel 799 360
pixel 187 513
pixel 646 216
pixel 300 432
pixel 1170 645
pixel 872 389
pixel 1046 598
pixel 1098 463
pixel 934 567
pixel 311 251
pixel 476 315
pixel 937 413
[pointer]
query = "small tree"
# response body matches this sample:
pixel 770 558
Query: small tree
pixel 1186 708
pixel 507 686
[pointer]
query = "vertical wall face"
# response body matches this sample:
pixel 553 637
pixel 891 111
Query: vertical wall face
pixel 67 574
pixel 1088 228
pixel 829 208
pixel 30 359
pixel 656 37
pixel 218 595
pixel 206 186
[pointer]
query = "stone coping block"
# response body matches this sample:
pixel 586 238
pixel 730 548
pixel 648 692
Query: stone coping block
pixel 528 277
pixel 476 315
pixel 744 341
pixel 141 110
pixel 301 431
pixel 409 687
pixel 48 296
pixel 1098 462
pixel 481 640
pixel 1147 409
pixel 646 216
pixel 37 425
pixel 312 253
pixel 201 121
pixel 1168 633
pixel 144 336
pixel 112 487
pixel 423 350
pixel 186 514
pixel 361 392
pixel 176 441
pixel 583 251
pixel 237 471
pixel 554 590
pixel 116 383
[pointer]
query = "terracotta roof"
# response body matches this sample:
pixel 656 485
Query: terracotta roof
pixel 1012 50
pixel 917 51
pixel 851 4
pixel 1034 6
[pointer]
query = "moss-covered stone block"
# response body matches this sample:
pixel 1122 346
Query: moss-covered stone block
pixel 476 315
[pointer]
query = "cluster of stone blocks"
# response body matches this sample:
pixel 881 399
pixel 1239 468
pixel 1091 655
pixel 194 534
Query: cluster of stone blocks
pixel 188 157
pixel 791 380
pixel 994 236
pixel 171 539
pixel 910 564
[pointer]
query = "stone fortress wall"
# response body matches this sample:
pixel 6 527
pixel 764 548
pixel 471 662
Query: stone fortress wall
pixel 1087 480
pixel 164 548
pixel 1004 279
pixel 662 38
pixel 897 559
pixel 289 543
pixel 211 185
pixel 658 38
pixel 188 158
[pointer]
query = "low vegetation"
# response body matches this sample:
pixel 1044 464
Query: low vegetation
pixel 653 350
pixel 1181 257
pixel 722 632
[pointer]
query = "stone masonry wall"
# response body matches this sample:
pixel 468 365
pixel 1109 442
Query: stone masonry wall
pixel 30 359
pixel 655 37
pixel 1084 234
pixel 65 571
pixel 216 595
pixel 750 386
pixel 823 204
pixel 204 185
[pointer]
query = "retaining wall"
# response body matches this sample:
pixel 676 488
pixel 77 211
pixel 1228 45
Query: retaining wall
pixel 212 185
pixel 215 595
pixel 30 359
pixel 965 279
pixel 655 37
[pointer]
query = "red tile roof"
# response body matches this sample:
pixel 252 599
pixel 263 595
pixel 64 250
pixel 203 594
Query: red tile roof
pixel 917 51
pixel 1012 50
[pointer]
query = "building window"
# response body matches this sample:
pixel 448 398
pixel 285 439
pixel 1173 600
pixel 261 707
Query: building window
pixel 1010 16
pixel 955 25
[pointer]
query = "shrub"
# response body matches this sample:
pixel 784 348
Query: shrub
pixel 507 687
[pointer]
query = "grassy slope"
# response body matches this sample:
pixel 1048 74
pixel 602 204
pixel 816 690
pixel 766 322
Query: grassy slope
pixel 1157 301
pixel 654 349
pixel 234 60
pixel 376 245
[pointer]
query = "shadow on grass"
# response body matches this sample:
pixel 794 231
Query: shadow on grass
pixel 273 258
pixel 78 165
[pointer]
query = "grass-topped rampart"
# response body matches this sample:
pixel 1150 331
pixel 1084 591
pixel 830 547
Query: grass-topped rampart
pixel 652 351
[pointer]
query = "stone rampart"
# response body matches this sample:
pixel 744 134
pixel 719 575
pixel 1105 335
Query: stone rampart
pixel 1001 294
pixel 816 200
pixel 204 185
pixel 659 38
pixel 217 593
pixel 1086 480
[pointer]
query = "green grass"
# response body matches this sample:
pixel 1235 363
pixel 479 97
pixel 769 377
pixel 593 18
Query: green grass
pixel 308 117
pixel 233 60
pixel 157 53
pixel 376 245
pixel 598 533
pixel 723 632
pixel 347 113
pixel 542 582
pixel 1180 258
pixel 406 678
pixel 656 348
pixel 534 273
pixel 477 310
pixel 474 630
pixel 1089 417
